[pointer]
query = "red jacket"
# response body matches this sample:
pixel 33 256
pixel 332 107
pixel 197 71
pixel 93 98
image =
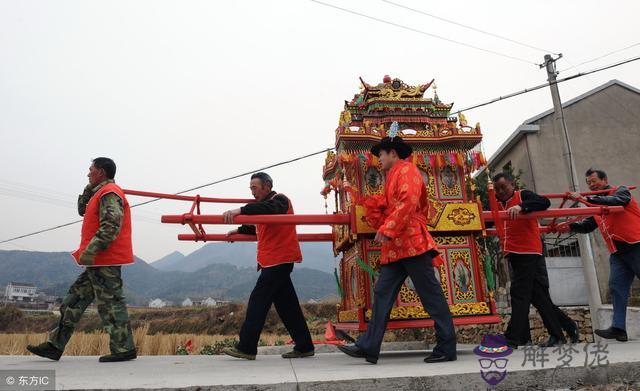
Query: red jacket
pixel 120 251
pixel 277 243
pixel 622 227
pixel 405 215
pixel 522 236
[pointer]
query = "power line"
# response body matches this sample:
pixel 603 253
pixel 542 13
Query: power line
pixel 534 88
pixel 500 98
pixel 469 27
pixel 600 57
pixel 424 32
pixel 180 192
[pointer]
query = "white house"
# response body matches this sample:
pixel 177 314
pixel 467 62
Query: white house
pixel 20 291
pixel 193 301
pixel 157 303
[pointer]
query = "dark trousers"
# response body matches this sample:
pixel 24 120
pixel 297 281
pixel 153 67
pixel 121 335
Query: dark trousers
pixel 274 286
pixel 542 278
pixel 391 278
pixel 528 273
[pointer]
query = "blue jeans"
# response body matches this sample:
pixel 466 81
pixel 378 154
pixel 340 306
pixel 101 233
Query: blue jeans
pixel 624 266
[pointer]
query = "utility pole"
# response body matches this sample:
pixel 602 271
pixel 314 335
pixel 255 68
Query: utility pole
pixel 584 241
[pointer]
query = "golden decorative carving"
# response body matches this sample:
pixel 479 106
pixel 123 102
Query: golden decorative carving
pixel 410 92
pixel 374 260
pixel 348 316
pixel 418 312
pixel 471 209
pixel 408 295
pixel 345 118
pixel 450 240
pixel 461 216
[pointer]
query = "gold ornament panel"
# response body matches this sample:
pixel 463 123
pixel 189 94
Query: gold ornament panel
pixel 459 216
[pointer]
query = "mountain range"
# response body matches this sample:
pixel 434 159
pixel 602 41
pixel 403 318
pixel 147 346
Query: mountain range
pixel 217 270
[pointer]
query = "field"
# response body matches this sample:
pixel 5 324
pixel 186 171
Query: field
pixel 156 331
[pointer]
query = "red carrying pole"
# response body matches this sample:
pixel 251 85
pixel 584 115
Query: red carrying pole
pixel 556 212
pixel 187 198
pixel 585 193
pixel 335 219
pixel 325 237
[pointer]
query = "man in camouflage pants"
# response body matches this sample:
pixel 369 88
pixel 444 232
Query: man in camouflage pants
pixel 105 246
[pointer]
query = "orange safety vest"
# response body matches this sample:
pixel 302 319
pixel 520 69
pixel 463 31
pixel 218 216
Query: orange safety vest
pixel 278 243
pixel 623 226
pixel 120 251
pixel 521 236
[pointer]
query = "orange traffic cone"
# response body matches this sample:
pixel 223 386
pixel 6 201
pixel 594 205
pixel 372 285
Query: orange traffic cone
pixel 330 332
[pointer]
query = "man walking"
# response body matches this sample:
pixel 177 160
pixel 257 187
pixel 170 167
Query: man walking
pixel 621 232
pixel 522 247
pixel 105 245
pixel 407 250
pixel 278 250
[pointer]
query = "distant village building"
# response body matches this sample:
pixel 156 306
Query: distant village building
pixel 158 303
pixel 20 292
pixel 25 295
pixel 206 302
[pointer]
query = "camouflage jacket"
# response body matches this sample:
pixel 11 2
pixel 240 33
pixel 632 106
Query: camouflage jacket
pixel 111 214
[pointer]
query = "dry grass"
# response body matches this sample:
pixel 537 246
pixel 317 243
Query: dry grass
pixel 96 343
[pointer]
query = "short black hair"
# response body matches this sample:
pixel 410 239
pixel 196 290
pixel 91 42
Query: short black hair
pixel 508 177
pixel 264 178
pixel 591 171
pixel 106 164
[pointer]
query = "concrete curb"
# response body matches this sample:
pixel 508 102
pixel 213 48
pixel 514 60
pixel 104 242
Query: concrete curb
pixel 541 379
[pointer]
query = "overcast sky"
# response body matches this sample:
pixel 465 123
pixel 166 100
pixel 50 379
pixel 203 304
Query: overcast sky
pixel 181 93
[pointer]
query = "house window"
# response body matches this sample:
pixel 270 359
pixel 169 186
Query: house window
pixel 562 245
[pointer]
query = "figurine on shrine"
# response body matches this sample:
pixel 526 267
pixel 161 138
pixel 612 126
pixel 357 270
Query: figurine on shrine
pixel 407 250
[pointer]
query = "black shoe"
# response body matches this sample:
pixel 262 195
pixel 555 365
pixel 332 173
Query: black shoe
pixel 354 351
pixel 436 358
pixel 296 354
pixel 46 350
pixel 613 333
pixel 553 341
pixel 237 353
pixel 124 356
pixel 572 332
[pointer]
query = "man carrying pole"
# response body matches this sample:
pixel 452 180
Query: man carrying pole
pixel 529 279
pixel 278 250
pixel 621 232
